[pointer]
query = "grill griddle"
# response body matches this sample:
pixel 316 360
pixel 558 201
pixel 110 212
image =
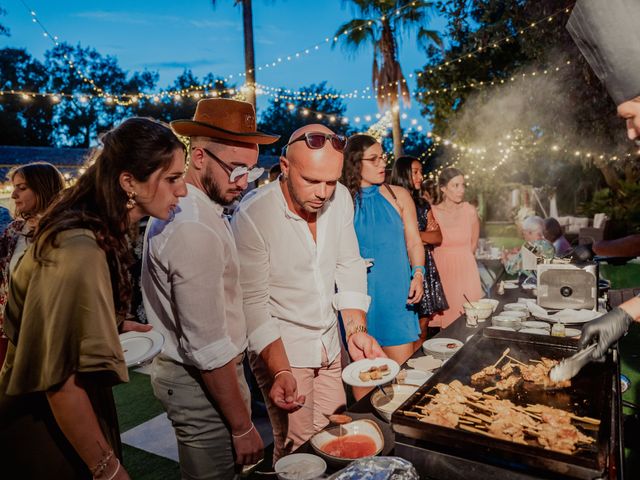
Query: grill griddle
pixel 590 395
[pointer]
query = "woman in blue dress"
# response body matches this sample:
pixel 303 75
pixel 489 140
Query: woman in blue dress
pixel 385 223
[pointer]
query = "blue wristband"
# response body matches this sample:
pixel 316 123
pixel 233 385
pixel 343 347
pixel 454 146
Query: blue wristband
pixel 418 268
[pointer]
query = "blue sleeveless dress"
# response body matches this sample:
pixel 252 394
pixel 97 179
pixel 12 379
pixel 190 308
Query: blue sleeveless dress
pixel 380 234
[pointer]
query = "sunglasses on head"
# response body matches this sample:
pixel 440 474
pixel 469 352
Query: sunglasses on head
pixel 316 140
pixel 238 172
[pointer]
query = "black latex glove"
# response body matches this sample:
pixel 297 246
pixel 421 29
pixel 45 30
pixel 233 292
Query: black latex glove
pixel 606 330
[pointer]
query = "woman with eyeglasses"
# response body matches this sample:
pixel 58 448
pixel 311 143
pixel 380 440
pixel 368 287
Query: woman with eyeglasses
pixel 455 256
pixel 35 186
pixel 68 297
pixel 385 223
pixel 407 173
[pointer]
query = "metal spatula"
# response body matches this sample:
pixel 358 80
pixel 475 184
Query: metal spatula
pixel 570 366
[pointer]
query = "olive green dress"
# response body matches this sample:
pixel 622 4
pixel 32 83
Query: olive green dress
pixel 60 320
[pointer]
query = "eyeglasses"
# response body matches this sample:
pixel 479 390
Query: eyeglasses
pixel 238 172
pixel 316 140
pixel 377 160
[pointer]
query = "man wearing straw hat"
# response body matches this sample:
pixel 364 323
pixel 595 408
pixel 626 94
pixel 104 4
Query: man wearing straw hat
pixel 608 35
pixel 192 295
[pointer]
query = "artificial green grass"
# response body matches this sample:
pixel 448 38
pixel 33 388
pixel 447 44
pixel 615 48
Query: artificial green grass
pixel 135 401
pixel 623 276
pixel 143 465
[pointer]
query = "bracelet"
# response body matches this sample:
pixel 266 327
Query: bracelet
pixel 416 269
pixel 115 472
pixel 245 433
pixel 102 464
pixel 360 328
pixel 281 372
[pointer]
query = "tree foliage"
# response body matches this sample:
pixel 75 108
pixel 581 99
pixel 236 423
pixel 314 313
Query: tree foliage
pixel 380 25
pixel 279 119
pixel 568 108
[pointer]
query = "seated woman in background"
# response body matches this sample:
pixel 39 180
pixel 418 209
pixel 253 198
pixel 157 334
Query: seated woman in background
pixel 532 233
pixel 455 257
pixel 67 299
pixel 385 223
pixel 407 173
pixel 552 232
pixel 35 186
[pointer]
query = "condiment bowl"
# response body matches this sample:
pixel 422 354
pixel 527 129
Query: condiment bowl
pixel 363 427
pixel 395 396
pixel 300 466
pixel 490 301
pixel 480 310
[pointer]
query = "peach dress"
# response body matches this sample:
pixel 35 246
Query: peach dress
pixel 456 261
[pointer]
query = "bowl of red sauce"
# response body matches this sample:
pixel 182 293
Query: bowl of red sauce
pixel 340 446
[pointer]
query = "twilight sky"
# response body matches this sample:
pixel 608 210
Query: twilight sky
pixel 169 36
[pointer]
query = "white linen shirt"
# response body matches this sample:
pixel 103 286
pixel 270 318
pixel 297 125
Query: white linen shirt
pixel 191 285
pixel 289 281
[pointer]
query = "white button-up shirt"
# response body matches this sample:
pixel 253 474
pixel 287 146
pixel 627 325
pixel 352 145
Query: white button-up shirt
pixel 191 285
pixel 289 281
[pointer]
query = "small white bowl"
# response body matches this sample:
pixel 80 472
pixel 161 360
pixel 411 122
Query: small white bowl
pixel 300 466
pixel 514 314
pixel 364 426
pixel 480 310
pixel 396 396
pixel 490 301
pixel 519 307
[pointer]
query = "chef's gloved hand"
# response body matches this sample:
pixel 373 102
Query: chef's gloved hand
pixel 606 330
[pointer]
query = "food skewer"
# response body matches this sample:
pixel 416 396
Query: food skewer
pixel 504 354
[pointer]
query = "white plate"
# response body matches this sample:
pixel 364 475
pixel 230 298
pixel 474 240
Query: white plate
pixel 536 324
pixel 417 377
pixel 425 364
pixel 507 329
pixel 442 345
pixel 140 347
pixel 302 466
pixel 350 375
pixel 572 332
pixel 510 286
pixel 535 331
pixel 518 307
pixel 569 317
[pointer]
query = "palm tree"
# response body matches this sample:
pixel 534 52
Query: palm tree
pixel 381 23
pixel 249 54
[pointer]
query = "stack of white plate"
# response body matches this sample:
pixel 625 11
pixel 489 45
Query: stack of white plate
pixel 442 348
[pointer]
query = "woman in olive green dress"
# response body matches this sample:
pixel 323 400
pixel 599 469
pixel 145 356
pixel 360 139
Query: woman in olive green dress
pixel 67 299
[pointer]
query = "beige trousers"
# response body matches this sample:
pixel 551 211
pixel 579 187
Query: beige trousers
pixel 204 438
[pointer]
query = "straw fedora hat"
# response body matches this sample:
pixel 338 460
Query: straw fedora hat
pixel 224 119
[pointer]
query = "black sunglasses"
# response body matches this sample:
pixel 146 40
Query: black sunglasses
pixel 316 140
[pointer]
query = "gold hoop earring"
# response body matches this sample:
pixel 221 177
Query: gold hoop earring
pixel 131 200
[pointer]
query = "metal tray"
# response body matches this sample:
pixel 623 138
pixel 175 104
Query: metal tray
pixel 590 395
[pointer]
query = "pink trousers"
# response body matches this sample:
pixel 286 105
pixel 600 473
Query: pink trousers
pixel 323 390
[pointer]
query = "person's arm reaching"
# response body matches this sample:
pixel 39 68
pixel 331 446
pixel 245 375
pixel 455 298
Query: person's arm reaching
pixel 263 332
pixel 621 247
pixel 610 327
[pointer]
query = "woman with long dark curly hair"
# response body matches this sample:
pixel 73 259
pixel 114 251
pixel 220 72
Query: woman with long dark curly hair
pixel 385 223
pixel 407 173
pixel 67 299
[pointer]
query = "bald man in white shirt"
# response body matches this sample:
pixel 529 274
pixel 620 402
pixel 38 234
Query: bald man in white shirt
pixel 300 266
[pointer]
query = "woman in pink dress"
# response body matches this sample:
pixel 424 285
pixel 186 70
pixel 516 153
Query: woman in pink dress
pixel 455 257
